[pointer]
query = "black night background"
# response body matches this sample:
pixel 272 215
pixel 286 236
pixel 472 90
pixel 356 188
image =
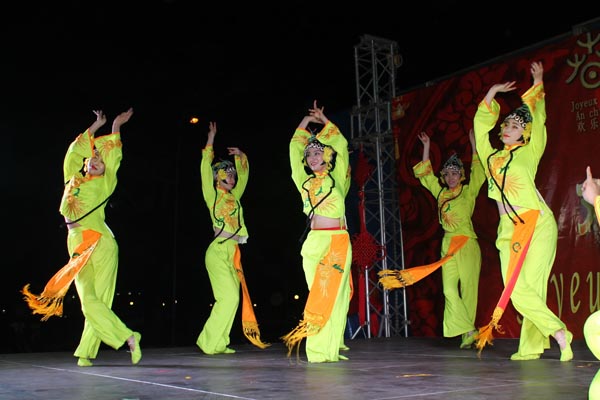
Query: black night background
pixel 255 70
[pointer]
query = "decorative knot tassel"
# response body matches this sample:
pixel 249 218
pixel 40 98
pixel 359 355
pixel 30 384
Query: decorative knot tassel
pixel 252 333
pixel 485 335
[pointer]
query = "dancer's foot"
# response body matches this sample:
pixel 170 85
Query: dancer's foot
pixel 343 358
pixel 343 347
pixel 227 350
pixel 134 347
pixel 468 339
pixel 564 339
pixel 524 357
pixel 84 362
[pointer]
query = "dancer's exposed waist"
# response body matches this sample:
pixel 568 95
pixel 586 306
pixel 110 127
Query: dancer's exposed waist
pixel 227 235
pixel 319 222
pixel 71 224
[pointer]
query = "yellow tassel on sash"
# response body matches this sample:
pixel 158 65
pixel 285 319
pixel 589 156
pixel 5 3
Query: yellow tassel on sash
pixel 50 302
pixel 485 335
pixel 249 323
pixel 252 333
pixel 322 295
pixel 304 329
pixel 396 279
pixel 519 245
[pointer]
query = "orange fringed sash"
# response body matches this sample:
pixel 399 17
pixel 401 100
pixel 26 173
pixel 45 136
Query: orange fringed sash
pixel 519 245
pixel 322 294
pixel 249 323
pixel 50 302
pixel 396 279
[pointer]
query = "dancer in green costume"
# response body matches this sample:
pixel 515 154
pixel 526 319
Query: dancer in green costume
pixel 527 225
pixel 456 202
pixel 321 173
pixel 223 185
pixel 590 191
pixel 90 174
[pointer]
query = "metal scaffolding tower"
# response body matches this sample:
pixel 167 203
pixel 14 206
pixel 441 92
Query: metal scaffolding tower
pixel 376 61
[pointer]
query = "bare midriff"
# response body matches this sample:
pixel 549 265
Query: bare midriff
pixel 226 235
pixel 321 222
pixel 70 224
pixel 502 210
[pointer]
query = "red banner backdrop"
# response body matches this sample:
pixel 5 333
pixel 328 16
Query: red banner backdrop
pixel 445 111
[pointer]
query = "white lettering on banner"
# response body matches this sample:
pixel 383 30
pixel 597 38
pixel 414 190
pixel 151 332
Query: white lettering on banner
pixel 586 70
pixel 574 303
pixel 584 65
pixel 580 105
pixel 586 114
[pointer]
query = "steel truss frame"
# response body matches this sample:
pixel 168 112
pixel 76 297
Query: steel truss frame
pixel 376 61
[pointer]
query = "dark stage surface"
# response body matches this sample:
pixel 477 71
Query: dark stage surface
pixel 381 368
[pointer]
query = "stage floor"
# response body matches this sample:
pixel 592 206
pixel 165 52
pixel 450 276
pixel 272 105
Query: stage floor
pixel 379 368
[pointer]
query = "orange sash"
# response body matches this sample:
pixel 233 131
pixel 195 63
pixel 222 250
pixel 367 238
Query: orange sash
pixel 50 302
pixel 249 323
pixel 519 245
pixel 395 279
pixel 323 293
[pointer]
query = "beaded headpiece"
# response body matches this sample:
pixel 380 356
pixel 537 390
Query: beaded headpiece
pixel 523 117
pixel 453 164
pixel 314 143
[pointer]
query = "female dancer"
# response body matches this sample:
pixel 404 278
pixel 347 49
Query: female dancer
pixel 90 172
pixel 320 171
pixel 527 231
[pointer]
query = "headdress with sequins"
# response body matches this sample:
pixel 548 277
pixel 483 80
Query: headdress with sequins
pixel 523 117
